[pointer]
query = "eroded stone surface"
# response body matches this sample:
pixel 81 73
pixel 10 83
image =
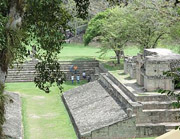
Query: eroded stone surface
pixel 150 68
pixel 92 107
pixel 13 125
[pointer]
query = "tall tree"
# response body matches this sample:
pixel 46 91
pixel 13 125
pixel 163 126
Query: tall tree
pixel 115 31
pixel 45 20
pixel 153 20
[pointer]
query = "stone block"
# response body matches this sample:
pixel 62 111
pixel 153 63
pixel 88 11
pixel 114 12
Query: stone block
pixel 102 133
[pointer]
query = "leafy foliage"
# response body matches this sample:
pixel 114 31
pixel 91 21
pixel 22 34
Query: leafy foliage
pixel 94 26
pixel 115 31
pixel 82 8
pixel 152 21
pixel 49 74
pixel 45 20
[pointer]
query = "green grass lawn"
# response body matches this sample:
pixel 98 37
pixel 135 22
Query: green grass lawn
pixel 44 115
pixel 81 52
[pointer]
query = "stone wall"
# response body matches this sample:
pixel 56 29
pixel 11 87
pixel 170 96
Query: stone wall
pixel 120 130
pixel 153 84
pixel 144 119
pixel 130 66
pixel 27 71
pixel 148 68
pixel 13 127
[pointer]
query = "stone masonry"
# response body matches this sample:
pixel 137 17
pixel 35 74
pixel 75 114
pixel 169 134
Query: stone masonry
pixel 117 107
pixel 13 127
pixel 26 72
pixel 95 114
pixel 150 67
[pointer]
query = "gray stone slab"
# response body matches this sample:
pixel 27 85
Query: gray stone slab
pixel 92 107
pixel 13 125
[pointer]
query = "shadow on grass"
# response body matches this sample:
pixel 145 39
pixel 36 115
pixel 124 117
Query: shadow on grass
pixel 128 78
pixel 113 66
pixel 84 59
pixel 122 73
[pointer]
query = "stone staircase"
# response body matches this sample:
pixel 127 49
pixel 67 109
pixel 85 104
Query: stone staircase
pixel 26 72
pixel 154 112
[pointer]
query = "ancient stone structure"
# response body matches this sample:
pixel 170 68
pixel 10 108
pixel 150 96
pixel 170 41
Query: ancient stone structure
pixel 114 107
pixel 130 66
pixel 150 67
pixel 26 72
pixel 96 114
pixel 13 127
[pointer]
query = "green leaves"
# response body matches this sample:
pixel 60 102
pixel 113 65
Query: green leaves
pixel 152 21
pixel 48 73
pixel 94 26
pixel 82 8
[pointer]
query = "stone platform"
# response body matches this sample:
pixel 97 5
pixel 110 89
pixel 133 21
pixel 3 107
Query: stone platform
pixel 26 72
pixel 157 108
pixel 95 113
pixel 115 106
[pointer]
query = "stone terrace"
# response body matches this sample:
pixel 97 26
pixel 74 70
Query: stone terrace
pixel 148 114
pixel 156 107
pixel 27 71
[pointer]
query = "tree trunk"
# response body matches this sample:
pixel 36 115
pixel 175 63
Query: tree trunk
pixel 14 22
pixel 118 56
pixel 15 19
pixel 2 76
pixel 2 99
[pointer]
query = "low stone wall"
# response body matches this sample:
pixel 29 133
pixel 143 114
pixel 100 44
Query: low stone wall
pixel 122 86
pixel 120 95
pixel 115 131
pixel 150 130
pixel 13 128
pixel 151 84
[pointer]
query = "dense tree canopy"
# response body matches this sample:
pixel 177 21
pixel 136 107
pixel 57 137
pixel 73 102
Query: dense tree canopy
pixel 24 20
pixel 115 31
pixel 148 22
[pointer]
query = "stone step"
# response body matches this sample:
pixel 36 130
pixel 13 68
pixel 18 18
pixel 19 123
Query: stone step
pixel 17 79
pixel 149 130
pixel 118 94
pixel 154 97
pixel 157 105
pixel 12 81
pixel 65 70
pixel 168 125
pixel 22 72
pixel 24 78
pixel 62 66
pixel 122 87
pixel 161 115
pixel 29 68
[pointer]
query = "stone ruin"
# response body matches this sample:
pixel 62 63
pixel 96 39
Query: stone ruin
pixel 148 68
pixel 118 108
